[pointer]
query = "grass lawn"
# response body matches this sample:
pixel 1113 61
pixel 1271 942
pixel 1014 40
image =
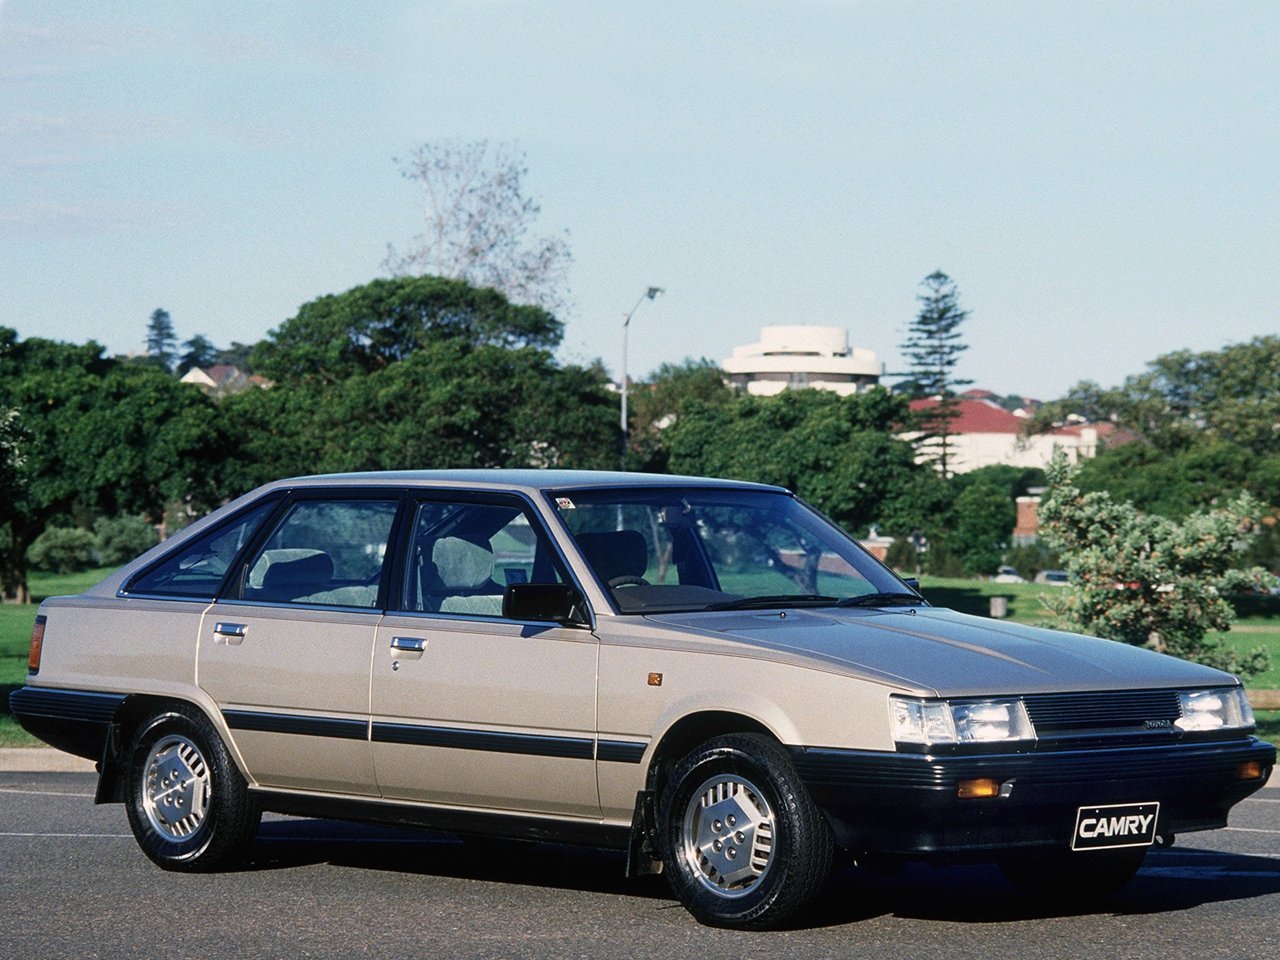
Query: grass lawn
pixel 15 642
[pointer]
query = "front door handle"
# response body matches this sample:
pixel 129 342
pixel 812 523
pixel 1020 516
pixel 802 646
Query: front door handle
pixel 409 644
pixel 228 633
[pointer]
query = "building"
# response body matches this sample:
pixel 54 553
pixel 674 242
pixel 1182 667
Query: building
pixel 223 379
pixel 788 357
pixel 983 433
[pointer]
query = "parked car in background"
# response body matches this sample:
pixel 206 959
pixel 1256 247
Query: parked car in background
pixel 1006 574
pixel 709 675
pixel 1054 578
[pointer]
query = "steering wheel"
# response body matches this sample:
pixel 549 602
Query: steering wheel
pixel 628 580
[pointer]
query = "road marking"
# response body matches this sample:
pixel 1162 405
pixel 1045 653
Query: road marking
pixel 43 793
pixel 70 836
pixel 1251 830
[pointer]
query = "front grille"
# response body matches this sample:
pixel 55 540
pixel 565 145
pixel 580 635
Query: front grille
pixel 1076 713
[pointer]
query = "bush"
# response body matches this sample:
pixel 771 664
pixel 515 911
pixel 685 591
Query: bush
pixel 120 539
pixel 62 550
pixel 1030 558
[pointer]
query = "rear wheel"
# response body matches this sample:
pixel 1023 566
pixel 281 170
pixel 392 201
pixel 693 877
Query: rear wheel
pixel 187 803
pixel 743 843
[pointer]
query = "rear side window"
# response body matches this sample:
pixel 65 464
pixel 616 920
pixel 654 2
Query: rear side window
pixel 323 552
pixel 196 570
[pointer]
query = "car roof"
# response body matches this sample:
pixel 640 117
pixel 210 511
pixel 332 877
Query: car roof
pixel 526 480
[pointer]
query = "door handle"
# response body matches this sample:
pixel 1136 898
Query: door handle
pixel 228 633
pixel 409 644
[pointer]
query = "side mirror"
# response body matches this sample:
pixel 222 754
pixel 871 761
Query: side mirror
pixel 912 582
pixel 557 602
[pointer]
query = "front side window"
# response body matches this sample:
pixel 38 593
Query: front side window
pixel 463 555
pixel 323 552
pixel 676 549
pixel 196 570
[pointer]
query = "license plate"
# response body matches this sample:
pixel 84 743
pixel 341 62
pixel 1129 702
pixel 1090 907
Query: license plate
pixel 1117 825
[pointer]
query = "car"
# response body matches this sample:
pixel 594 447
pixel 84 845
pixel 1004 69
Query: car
pixel 1006 574
pixel 1054 578
pixel 709 675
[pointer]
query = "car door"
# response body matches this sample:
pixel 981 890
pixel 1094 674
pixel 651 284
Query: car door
pixel 471 709
pixel 286 651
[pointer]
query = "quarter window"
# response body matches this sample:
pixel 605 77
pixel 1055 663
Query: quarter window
pixel 196 571
pixel 323 552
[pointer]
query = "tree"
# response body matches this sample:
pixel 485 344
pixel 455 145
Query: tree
pixel 161 340
pixel 933 349
pixel 981 523
pixel 837 452
pixel 450 403
pixel 199 351
pixel 236 355
pixel 12 461
pixel 1231 395
pixel 479 224
pixel 1148 580
pixel 660 400
pixel 370 327
pixel 104 438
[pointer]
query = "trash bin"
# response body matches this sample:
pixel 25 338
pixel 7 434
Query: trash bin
pixel 999 607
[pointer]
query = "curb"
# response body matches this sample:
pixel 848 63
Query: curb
pixel 1264 699
pixel 42 760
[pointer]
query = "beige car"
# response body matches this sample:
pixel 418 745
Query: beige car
pixel 708 674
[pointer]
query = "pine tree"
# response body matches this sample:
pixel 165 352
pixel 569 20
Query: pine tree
pixel 162 342
pixel 933 349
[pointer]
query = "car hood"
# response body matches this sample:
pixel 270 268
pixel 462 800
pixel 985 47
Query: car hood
pixel 939 652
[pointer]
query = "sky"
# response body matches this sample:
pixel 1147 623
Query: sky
pixel 1100 179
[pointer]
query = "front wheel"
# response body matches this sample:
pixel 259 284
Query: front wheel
pixel 744 844
pixel 187 803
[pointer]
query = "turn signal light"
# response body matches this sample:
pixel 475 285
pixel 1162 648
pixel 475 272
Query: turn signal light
pixel 37 645
pixel 978 788
pixel 1249 770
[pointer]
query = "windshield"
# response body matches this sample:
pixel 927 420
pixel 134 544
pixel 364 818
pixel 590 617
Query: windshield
pixel 688 549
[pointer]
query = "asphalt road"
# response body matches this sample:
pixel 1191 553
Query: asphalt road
pixel 75 885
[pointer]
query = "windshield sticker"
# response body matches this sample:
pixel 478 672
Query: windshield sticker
pixel 564 503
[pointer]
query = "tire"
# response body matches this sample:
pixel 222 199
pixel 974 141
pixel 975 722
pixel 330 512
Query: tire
pixel 1073 878
pixel 744 845
pixel 188 805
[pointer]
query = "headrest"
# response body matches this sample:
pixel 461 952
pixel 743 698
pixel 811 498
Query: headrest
pixel 618 553
pixel 462 564
pixel 271 558
pixel 289 579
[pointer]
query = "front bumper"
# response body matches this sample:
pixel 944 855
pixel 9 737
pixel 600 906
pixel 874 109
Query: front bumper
pixel 907 805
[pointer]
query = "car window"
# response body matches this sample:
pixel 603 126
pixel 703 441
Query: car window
pixel 197 569
pixel 696 549
pixel 324 552
pixel 462 556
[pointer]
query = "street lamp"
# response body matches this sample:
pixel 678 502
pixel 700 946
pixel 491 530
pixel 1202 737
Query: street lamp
pixel 650 294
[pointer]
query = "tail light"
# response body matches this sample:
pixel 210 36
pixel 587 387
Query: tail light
pixel 37 645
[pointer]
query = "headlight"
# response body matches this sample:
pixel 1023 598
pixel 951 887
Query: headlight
pixel 948 722
pixel 1217 709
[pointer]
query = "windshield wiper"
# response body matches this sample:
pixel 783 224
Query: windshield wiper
pixel 775 600
pixel 880 600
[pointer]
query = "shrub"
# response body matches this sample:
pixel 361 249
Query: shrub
pixel 1149 580
pixel 120 539
pixel 62 550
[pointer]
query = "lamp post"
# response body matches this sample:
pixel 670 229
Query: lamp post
pixel 650 294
